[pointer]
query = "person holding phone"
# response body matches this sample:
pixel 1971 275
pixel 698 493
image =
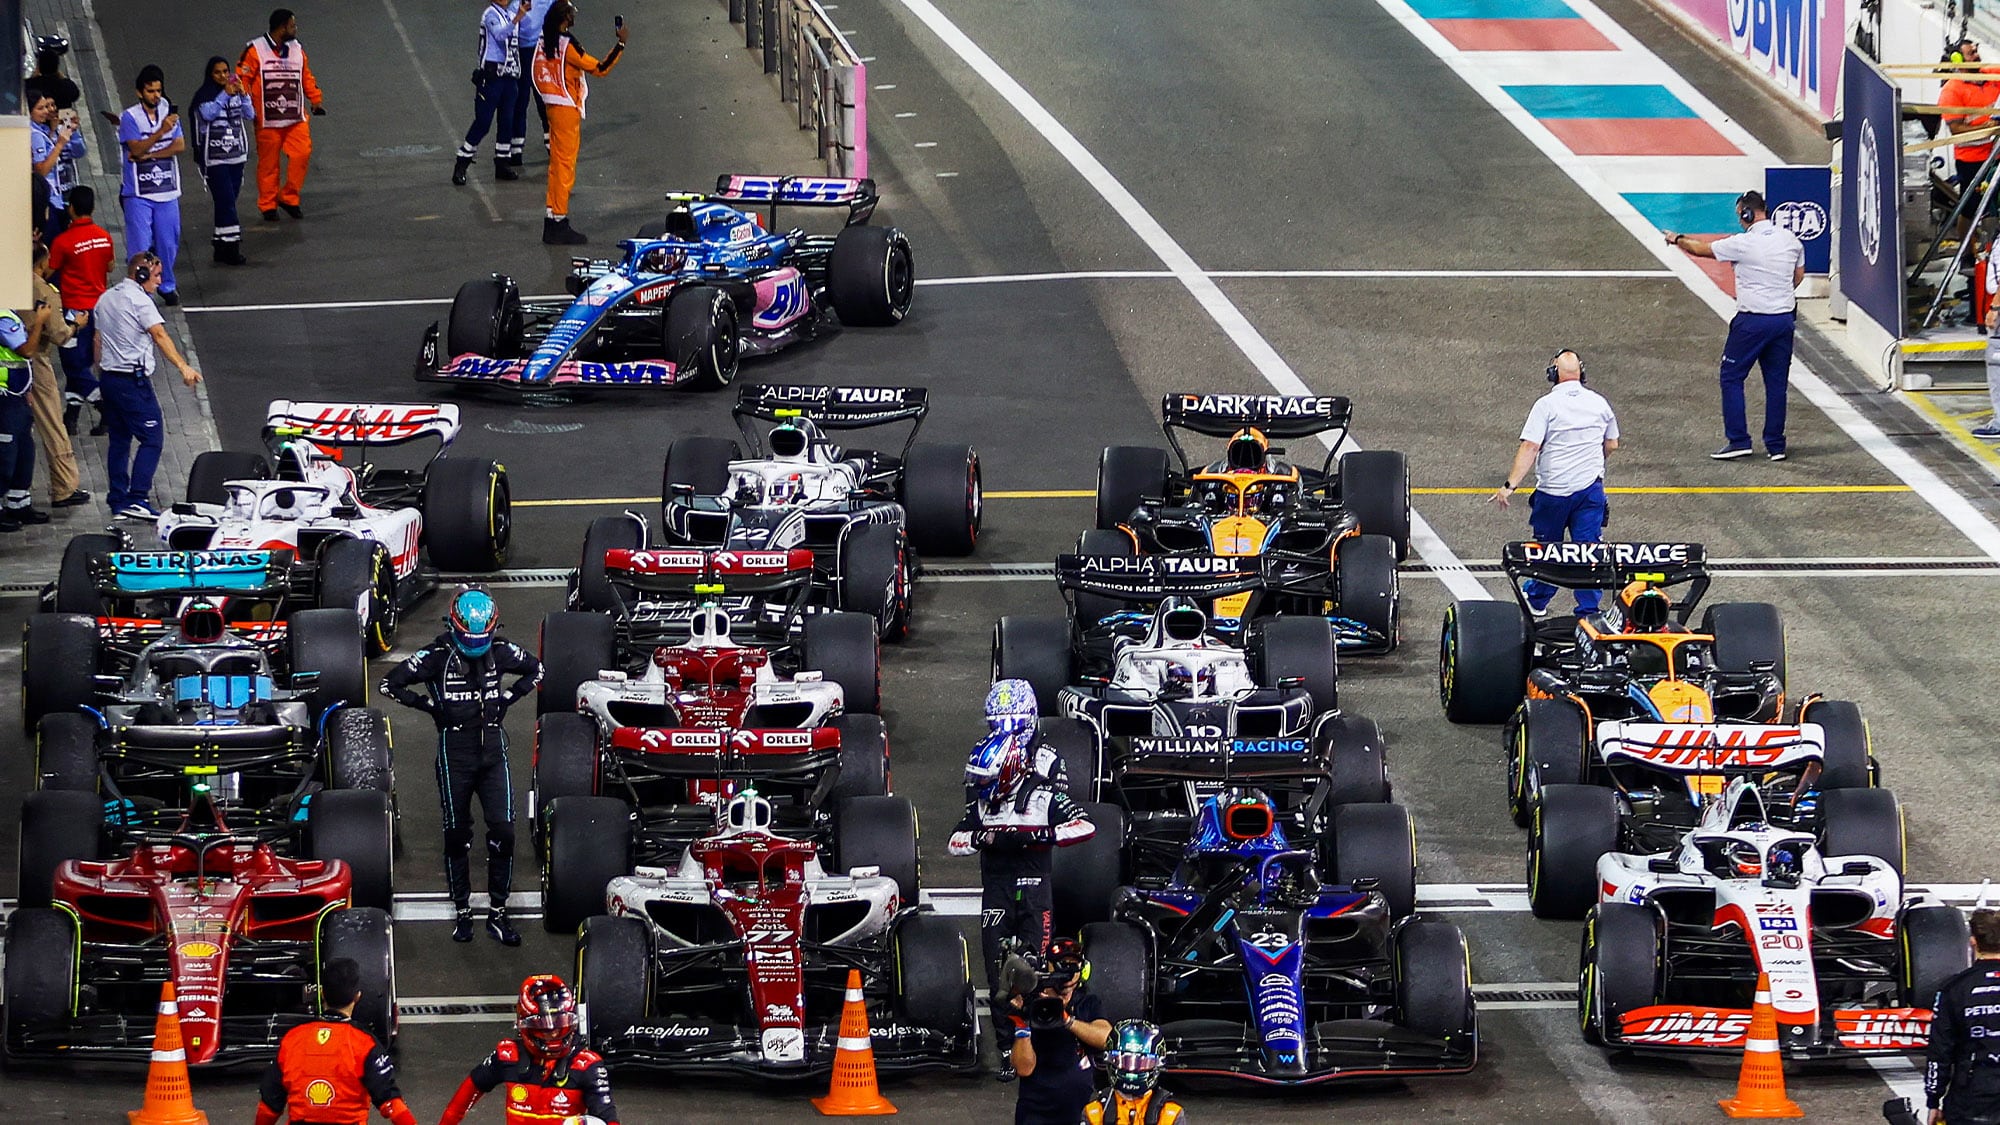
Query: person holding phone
pixel 55 143
pixel 222 116
pixel 151 142
pixel 560 66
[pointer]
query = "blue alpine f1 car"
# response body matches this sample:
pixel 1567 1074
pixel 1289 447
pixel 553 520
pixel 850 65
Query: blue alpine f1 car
pixel 688 298
pixel 1256 970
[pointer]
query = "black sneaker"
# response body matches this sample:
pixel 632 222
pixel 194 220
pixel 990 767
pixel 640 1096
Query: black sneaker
pixel 28 515
pixel 1005 1071
pixel 70 413
pixel 1730 453
pixel 500 928
pixel 458 169
pixel 292 209
pixel 73 500
pixel 271 216
pixel 462 930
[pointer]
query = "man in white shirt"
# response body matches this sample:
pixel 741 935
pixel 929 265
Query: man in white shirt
pixel 1769 262
pixel 129 327
pixel 1568 434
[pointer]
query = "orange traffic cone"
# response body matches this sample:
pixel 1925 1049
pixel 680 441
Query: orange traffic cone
pixel 853 1092
pixel 168 1099
pixel 1760 1090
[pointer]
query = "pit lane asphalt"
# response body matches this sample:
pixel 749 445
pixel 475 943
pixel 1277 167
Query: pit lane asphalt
pixel 1283 135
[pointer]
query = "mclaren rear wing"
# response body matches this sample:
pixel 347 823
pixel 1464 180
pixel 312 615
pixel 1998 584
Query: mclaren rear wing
pixel 858 196
pixel 1279 416
pixel 1610 566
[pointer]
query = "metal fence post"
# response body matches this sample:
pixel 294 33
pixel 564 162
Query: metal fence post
pixel 735 11
pixel 788 53
pixel 770 36
pixel 753 24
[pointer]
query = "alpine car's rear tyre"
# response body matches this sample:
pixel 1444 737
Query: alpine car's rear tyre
pixel 875 577
pixel 1075 745
pixel 59 661
pixel 701 463
pixel 1848 747
pixel 576 647
pixel 328 642
pixel 943 499
pixel 1936 947
pixel 614 975
pixel 1433 979
pixel 365 935
pixel 212 471
pixel 1357 762
pixel 66 753
pixel 358 826
pixel 41 972
pixel 1090 608
pixel 1863 822
pixel 1483 661
pixel 1547 746
pixel 590 844
pixel 1376 842
pixel 356 574
pixel 605 533
pixel 1121 969
pixel 76 592
pixel 1365 569
pixel 846 649
pixel 1035 649
pixel 879 832
pixel 871 276
pixel 1300 648
pixel 864 756
pixel 1125 475
pixel 56 825
pixel 359 751
pixel 1746 633
pixel 566 764
pixel 485 319
pixel 1375 486
pixel 933 975
pixel 1620 966
pixel 468 514
pixel 1572 827
pixel 1086 876
pixel 703 338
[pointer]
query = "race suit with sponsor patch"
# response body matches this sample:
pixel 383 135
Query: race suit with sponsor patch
pixel 536 1094
pixel 1962 1064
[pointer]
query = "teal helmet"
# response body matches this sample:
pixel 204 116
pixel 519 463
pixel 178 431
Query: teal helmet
pixel 472 620
pixel 1133 1053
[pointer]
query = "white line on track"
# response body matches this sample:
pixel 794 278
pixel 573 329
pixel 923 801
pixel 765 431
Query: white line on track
pixel 423 76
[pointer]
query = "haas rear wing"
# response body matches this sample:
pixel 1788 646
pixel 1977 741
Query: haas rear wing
pixel 832 408
pixel 374 423
pixel 144 574
pixel 858 196
pixel 1711 748
pixel 1153 578
pixel 694 571
pixel 1279 416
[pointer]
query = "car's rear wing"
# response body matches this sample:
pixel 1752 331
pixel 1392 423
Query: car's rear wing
pixel 1153 578
pixel 355 424
pixel 1278 416
pixel 698 571
pixel 1610 566
pixel 832 408
pixel 1221 759
pixel 749 752
pixel 1711 748
pixel 858 196
pixel 152 574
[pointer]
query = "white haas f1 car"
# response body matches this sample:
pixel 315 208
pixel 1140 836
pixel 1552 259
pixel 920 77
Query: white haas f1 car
pixel 737 959
pixel 358 528
pixel 1672 952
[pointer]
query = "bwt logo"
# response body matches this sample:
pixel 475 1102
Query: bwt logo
pixel 1782 38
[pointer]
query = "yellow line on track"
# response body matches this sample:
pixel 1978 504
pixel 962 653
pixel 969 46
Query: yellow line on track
pixel 1980 448
pixel 1045 494
pixel 1633 490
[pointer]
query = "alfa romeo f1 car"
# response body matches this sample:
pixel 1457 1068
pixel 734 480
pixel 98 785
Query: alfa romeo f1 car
pixel 1672 953
pixel 1638 718
pixel 687 299
pixel 1257 970
pixel 736 958
pixel 1332 536
pixel 357 529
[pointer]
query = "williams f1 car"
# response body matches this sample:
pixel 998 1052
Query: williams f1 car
pixel 1333 534
pixel 1255 969
pixel 687 299
pixel 1673 951
pixel 737 958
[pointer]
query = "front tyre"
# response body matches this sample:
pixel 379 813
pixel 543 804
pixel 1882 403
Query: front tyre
pixel 703 338
pixel 468 514
pixel 871 276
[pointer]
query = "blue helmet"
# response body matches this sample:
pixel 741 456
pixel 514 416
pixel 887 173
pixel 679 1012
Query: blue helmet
pixel 473 617
pixel 1134 1057
pixel 1011 707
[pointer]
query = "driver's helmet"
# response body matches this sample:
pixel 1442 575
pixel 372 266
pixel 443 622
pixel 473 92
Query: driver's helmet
pixel 789 489
pixel 748 811
pixel 1001 760
pixel 1786 861
pixel 1011 707
pixel 201 624
pixel 1189 680
pixel 1247 450
pixel 709 627
pixel 1134 1057
pixel 1182 622
pixel 285 504
pixel 545 1017
pixel 1245 813
pixel 790 442
pixel 1647 608
pixel 473 618
pixel 1290 880
pixel 663 259
pixel 1745 860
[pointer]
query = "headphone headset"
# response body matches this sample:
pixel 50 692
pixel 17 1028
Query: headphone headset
pixel 1747 205
pixel 1958 50
pixel 144 273
pixel 1555 376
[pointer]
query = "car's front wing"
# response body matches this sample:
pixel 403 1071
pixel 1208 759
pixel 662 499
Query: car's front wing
pixel 694 1046
pixel 1338 1050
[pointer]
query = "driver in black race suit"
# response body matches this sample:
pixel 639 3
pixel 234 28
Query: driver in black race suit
pixel 1962 1064
pixel 1016 809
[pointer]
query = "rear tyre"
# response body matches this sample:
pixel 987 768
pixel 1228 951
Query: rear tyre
pixel 1433 979
pixel 942 499
pixel 933 975
pixel 1377 842
pixel 590 844
pixel 1865 822
pixel 1301 648
pixel 845 649
pixel 41 972
pixel 1483 661
pixel 1035 649
pixel 1849 753
pixel 56 826
pixel 702 337
pixel 1365 568
pixel 880 832
pixel 209 476
pixel 328 642
pixel 576 647
pixel 1086 876
pixel 875 578
pixel 59 658
pixel 76 592
pixel 871 276
pixel 1090 608
pixel 358 827
pixel 366 935
pixel 864 756
pixel 66 753
pixel 605 533
pixel 485 319
pixel 1357 761
pixel 1620 966
pixel 1127 474
pixel 1076 745
pixel 1746 633
pixel 1121 964
pixel 356 574
pixel 1573 825
pixel 359 751
pixel 1375 486
pixel 614 976
pixel 468 514
pixel 566 764
pixel 1937 945
pixel 701 463
pixel 1546 747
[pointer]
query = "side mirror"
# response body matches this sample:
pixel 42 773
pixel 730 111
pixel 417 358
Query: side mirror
pixel 681 492
pixel 183 508
pixel 1292 682
pixel 1663 866
pixel 106 684
pixel 1857 867
pixel 1764 666
pixel 304 679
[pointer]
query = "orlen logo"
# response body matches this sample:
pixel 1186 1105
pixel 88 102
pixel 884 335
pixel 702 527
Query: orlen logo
pixel 1781 38
pixel 680 740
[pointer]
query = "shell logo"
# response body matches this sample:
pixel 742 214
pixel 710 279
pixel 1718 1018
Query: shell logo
pixel 199 949
pixel 319 1092
pixel 518 1093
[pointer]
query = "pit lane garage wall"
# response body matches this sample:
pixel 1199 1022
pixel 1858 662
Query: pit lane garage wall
pixel 817 71
pixel 1795 44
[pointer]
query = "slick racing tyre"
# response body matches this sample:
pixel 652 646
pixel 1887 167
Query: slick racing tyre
pixel 1746 633
pixel 614 976
pixel 871 276
pixel 76 591
pixel 209 476
pixel 1357 765
pixel 1035 649
pixel 1863 822
pixel 566 764
pixel 942 499
pixel 879 832
pixel 577 645
pixel 1125 475
pixel 605 533
pixel 66 753
pixel 864 757
pixel 1573 826
pixel 1620 966
pixel 703 338
pixel 485 319
pixel 1433 979
pixel 359 753
pixel 1937 946
pixel 1375 486
pixel 1086 876
pixel 41 972
pixel 845 649
pixel 1849 755
pixel 357 826
pixel 875 577
pixel 356 574
pixel 934 974
pixel 468 514
pixel 59 657
pixel 700 463
pixel 1483 661
pixel 1376 842
pixel 56 825
pixel 1121 969
pixel 589 844
pixel 1075 744
pixel 366 936
pixel 328 642
pixel 1365 569
pixel 1300 648
pixel 1547 746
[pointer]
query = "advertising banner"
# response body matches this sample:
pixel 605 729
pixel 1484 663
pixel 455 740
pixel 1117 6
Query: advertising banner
pixel 1871 231
pixel 1800 197
pixel 1795 42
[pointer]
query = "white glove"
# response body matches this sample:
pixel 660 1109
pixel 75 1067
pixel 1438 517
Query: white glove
pixel 960 844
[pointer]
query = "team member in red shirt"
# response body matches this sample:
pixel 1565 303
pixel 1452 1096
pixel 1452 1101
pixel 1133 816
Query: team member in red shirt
pixel 80 266
pixel 329 1071
pixel 550 1078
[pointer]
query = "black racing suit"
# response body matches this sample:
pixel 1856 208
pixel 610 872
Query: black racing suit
pixel 468 699
pixel 1962 1065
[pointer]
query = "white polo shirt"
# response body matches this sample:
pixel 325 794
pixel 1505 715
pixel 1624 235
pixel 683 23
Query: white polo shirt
pixel 1766 257
pixel 1571 423
pixel 125 316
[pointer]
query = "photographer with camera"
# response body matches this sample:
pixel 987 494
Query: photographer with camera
pixel 1056 1027
pixel 1016 810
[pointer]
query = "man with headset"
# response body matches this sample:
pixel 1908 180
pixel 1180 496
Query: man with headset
pixel 1770 262
pixel 1568 434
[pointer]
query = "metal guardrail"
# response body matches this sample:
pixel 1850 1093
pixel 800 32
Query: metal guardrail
pixel 817 71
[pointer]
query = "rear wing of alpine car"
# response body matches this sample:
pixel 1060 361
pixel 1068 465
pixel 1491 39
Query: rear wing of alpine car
pixel 1154 578
pixel 1610 566
pixel 356 424
pixel 858 196
pixel 832 408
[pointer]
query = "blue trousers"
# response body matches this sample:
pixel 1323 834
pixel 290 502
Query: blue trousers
pixel 1764 339
pixel 131 414
pixel 1581 515
pixel 225 183
pixel 17 439
pixel 79 377
pixel 517 125
pixel 496 102
pixel 156 226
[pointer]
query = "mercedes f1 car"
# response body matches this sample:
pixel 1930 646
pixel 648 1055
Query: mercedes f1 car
pixel 687 299
pixel 1257 970
pixel 1673 951
pixel 1332 535
pixel 357 528
pixel 737 958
